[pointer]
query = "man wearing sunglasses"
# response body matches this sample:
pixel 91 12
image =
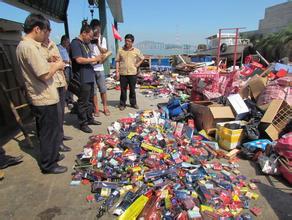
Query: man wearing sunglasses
pixel 82 69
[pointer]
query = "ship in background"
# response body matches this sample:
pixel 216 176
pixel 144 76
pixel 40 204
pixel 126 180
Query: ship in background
pixel 227 45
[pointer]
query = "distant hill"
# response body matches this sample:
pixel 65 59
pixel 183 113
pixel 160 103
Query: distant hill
pixel 152 45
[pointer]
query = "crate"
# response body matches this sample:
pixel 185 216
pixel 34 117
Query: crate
pixel 276 118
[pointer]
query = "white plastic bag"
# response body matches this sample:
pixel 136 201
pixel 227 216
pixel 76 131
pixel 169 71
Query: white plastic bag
pixel 269 165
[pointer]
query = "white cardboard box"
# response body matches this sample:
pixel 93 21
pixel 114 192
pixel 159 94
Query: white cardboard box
pixel 238 106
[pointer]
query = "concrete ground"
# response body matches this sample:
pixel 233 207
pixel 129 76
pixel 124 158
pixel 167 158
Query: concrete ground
pixel 28 194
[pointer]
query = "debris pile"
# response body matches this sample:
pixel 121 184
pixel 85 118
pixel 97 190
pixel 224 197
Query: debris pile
pixel 151 167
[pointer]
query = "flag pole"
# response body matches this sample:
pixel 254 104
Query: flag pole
pixel 116 40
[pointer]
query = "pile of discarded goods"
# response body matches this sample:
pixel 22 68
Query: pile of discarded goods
pixel 150 166
pixel 181 160
pixel 163 85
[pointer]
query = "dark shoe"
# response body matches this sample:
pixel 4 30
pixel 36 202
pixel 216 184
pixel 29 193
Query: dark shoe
pixel 58 169
pixel 64 148
pixel 10 161
pixel 60 157
pixel 85 129
pixel 122 107
pixel 93 122
pixel 67 138
pixel 135 106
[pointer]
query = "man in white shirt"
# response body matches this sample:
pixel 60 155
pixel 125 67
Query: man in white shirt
pixel 99 46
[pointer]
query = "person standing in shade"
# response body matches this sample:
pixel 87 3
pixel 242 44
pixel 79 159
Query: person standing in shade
pixel 7 160
pixel 128 60
pixel 52 54
pixel 41 90
pixel 83 71
pixel 98 46
pixel 64 47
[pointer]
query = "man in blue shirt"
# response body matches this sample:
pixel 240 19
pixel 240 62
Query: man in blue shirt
pixel 63 49
pixel 84 73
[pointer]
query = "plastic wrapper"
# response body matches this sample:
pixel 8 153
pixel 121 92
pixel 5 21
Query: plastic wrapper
pixel 151 210
pixel 257 144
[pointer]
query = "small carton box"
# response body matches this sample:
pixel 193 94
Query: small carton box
pixel 238 106
pixel 245 92
pixel 229 139
pixel 208 114
pixel 276 118
pixel 257 84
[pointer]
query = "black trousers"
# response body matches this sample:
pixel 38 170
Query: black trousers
pixel 3 157
pixel 85 103
pixel 68 76
pixel 124 82
pixel 49 131
pixel 62 96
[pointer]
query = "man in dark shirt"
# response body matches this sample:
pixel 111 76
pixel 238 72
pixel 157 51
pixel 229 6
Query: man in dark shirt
pixel 84 72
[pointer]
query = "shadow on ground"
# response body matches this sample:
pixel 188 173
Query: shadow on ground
pixel 281 202
pixel 71 120
pixel 23 144
pixel 113 103
pixel 276 181
pixel 49 213
pixel 277 192
pixel 256 167
pixel 33 152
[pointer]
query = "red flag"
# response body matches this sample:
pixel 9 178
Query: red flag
pixel 116 34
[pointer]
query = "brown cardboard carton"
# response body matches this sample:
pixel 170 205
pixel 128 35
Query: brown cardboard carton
pixel 208 115
pixel 207 103
pixel 276 118
pixel 257 84
pixel 245 92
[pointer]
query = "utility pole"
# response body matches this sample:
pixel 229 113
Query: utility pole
pixel 102 17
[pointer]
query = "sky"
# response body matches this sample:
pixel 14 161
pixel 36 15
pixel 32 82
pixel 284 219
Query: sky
pixel 168 21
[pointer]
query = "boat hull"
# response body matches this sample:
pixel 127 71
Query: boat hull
pixel 228 53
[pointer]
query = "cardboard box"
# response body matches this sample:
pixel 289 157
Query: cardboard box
pixel 276 118
pixel 208 114
pixel 238 106
pixel 257 84
pixel 229 139
pixel 245 92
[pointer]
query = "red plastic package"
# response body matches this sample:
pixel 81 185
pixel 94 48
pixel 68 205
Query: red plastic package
pixel 284 146
pixel 285 170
